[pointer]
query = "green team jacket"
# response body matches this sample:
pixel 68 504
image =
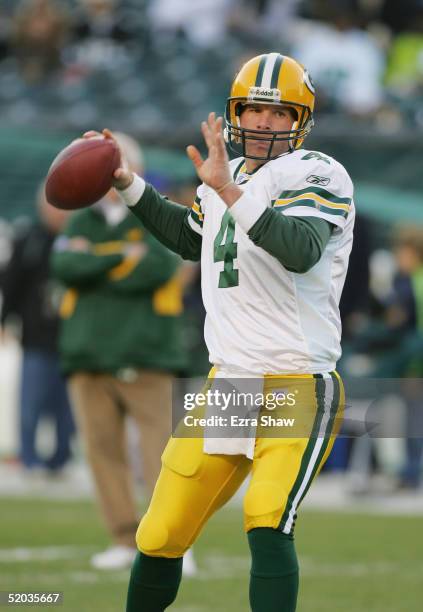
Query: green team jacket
pixel 117 313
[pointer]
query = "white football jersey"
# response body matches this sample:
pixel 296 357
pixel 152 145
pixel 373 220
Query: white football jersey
pixel 262 318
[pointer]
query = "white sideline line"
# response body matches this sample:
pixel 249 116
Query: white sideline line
pixel 220 566
pixel 214 566
pixel 76 577
pixel 45 553
pixel 308 568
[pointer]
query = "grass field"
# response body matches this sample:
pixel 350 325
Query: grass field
pixel 350 563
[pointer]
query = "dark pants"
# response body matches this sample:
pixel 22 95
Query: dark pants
pixel 412 471
pixel 43 394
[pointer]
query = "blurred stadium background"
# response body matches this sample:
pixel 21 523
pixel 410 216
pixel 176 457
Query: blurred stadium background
pixel 154 69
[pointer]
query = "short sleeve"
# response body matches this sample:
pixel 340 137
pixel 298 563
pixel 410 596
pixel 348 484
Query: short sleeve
pixel 321 189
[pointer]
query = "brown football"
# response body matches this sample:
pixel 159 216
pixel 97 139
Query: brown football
pixel 82 173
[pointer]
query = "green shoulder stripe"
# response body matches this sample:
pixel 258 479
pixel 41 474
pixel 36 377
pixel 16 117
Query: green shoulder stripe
pixel 323 193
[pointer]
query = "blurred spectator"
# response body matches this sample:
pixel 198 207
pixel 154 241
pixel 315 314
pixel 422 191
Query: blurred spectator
pixel 345 62
pixel 259 21
pixel 202 22
pixel 31 297
pixel 39 33
pixel 404 75
pixel 100 33
pixel 100 19
pixel 393 348
pixel 120 345
pixel 406 312
pixel 354 303
pixel 400 15
pixel 5 28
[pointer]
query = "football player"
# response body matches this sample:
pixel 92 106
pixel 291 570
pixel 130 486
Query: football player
pixel 273 229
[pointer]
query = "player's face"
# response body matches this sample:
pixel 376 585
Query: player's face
pixel 267 118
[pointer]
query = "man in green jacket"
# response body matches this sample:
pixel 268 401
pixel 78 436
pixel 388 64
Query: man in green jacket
pixel 120 344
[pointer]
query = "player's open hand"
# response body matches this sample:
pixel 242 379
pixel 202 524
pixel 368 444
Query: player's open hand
pixel 214 171
pixel 123 176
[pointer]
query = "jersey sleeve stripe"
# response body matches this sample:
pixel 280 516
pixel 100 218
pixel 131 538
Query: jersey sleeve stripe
pixel 196 217
pixel 194 225
pixel 313 204
pixel 197 210
pixel 196 213
pixel 318 191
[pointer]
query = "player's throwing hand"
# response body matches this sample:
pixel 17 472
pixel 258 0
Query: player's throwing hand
pixel 214 171
pixel 123 176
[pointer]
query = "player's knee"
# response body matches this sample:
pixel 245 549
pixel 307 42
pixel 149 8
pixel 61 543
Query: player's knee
pixel 156 537
pixel 264 499
pixel 272 552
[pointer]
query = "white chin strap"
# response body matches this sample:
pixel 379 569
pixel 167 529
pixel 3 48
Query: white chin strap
pixel 225 135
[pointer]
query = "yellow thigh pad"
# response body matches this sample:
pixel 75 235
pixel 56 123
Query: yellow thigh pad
pixel 191 487
pixel 184 456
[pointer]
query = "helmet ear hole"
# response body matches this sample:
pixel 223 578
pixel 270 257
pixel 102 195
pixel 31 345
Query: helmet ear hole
pixel 294 113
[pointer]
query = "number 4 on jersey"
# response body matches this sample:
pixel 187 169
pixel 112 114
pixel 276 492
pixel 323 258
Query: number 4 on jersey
pixel 315 155
pixel 226 250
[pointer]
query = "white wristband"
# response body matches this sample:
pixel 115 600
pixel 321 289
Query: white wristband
pixel 132 194
pixel 246 211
